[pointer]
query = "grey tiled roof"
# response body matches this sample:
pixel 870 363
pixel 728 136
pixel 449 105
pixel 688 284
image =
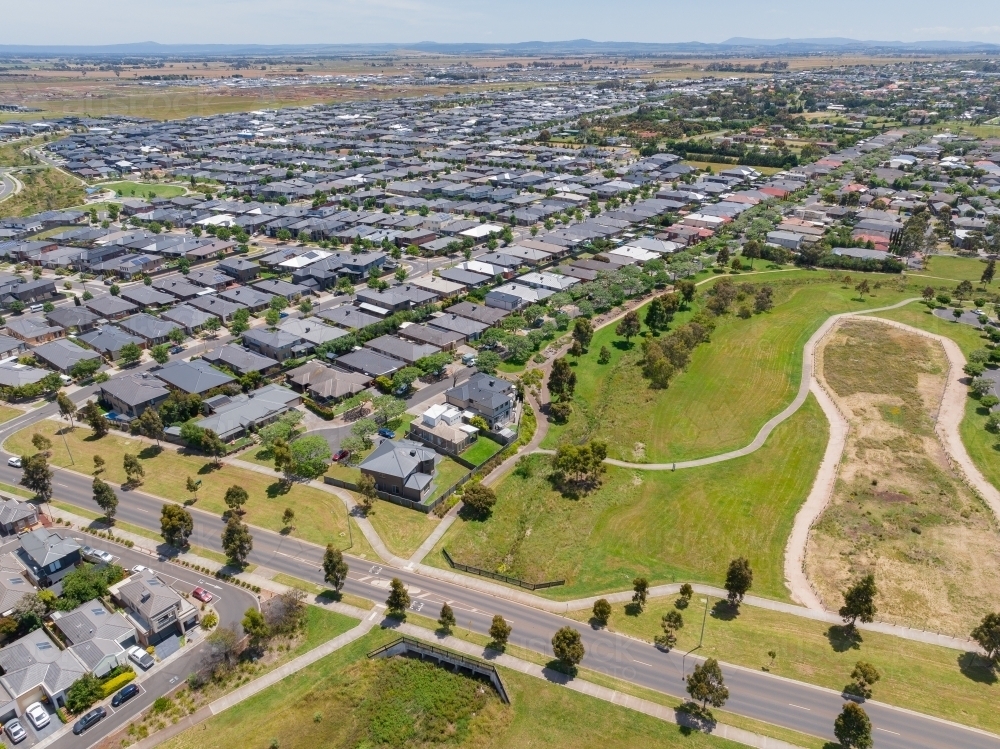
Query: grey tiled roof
pixel 188 316
pixel 147 326
pixel 239 359
pixel 13 584
pixel 108 338
pixel 135 390
pixel 148 595
pixel 196 376
pixel 63 354
pixel 44 546
pixel 399 458
pixel 91 620
pixel 107 306
pixel 35 660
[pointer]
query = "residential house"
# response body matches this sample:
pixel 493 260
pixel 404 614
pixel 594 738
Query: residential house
pixel 109 340
pixel 440 427
pixel 33 292
pixel 134 393
pixel 190 318
pixel 152 330
pixel 69 318
pixel 444 339
pixel 33 331
pixel 193 377
pixel 291 291
pixel 324 383
pixel 63 354
pixel 311 331
pixel 233 416
pixel 147 296
pixel 240 269
pixel 111 307
pixel 15 375
pixel 240 360
pixel 48 556
pixel 369 362
pixel 276 344
pixel 406 351
pixel 14 583
pixel 35 669
pixel 98 637
pixel 213 305
pixel 485 315
pixel 484 395
pixel 349 317
pixel 153 608
pixel 15 516
pixel 11 347
pixel 403 468
pixel 254 300
pixel 470 330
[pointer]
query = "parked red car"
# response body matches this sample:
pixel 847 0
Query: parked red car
pixel 202 595
pixel 341 455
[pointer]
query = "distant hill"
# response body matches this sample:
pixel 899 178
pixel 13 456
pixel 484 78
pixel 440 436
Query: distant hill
pixel 736 45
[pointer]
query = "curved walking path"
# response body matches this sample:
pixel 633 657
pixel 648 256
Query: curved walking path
pixel 808 375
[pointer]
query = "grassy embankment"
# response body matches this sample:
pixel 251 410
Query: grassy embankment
pixel 747 373
pixel 320 516
pixel 44 190
pixel 346 700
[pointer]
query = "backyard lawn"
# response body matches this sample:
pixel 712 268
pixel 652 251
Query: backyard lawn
pixel 320 516
pixel 481 450
pixel 446 474
pixel 666 526
pixel 142 189
pixel 748 372
pixel 347 700
pixel 926 678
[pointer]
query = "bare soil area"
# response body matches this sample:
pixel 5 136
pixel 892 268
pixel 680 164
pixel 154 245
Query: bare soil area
pixel 899 511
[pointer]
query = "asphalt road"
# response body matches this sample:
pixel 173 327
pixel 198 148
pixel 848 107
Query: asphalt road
pixel 754 694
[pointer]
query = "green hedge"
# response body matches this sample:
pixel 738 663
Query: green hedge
pixel 113 685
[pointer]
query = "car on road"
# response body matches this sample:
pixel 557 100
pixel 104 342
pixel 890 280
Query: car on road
pixel 14 462
pixel 387 433
pixel 341 455
pixel 469 360
pixel 37 714
pixel 140 657
pixel 88 720
pixel 97 556
pixel 15 731
pixel 202 595
pixel 124 695
pixel 176 349
pixel 139 568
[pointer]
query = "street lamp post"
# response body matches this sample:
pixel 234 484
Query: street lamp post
pixel 701 640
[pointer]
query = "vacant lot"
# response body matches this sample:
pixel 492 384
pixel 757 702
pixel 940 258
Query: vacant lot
pixel 44 190
pixel 981 445
pixel 346 700
pixel 320 516
pixel 899 511
pixel 926 678
pixel 142 189
pixel 667 526
pixel 747 373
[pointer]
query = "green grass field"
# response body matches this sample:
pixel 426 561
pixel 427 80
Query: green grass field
pixel 666 526
pixel 747 373
pixel 320 516
pixel 346 700
pixel 142 189
pixel 944 268
pixel 482 450
pixel 926 678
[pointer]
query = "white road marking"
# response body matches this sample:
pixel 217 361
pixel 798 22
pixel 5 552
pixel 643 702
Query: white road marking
pixel 886 730
pixel 364 578
pixel 800 707
pixel 642 663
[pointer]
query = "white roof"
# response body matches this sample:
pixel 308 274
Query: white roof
pixel 635 253
pixel 223 219
pixel 306 258
pixel 483 230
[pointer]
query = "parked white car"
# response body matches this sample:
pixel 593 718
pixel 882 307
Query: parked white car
pixel 14 462
pixel 37 714
pixel 140 657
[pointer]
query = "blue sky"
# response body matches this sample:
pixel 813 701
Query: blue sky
pixel 345 21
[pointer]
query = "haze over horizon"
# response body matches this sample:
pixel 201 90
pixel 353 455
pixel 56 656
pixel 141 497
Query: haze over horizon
pixel 450 21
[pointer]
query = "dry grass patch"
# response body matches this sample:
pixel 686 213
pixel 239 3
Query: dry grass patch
pixel 898 510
